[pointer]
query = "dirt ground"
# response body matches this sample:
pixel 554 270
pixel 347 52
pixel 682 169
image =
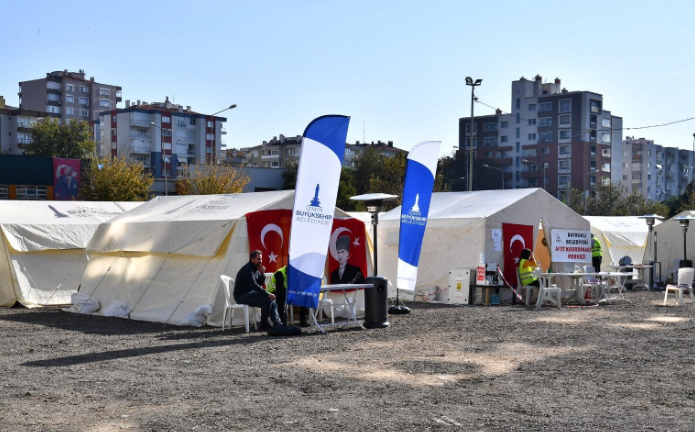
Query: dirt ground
pixel 625 366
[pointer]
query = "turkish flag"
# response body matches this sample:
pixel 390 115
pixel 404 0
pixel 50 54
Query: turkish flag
pixel 269 232
pixel 516 238
pixel 355 232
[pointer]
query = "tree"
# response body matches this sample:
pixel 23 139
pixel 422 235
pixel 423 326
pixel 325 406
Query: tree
pixel 683 202
pixel 115 179
pixel 211 178
pixel 290 175
pixel 50 138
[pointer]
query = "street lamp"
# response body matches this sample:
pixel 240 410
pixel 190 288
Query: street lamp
pixel 232 106
pixel 651 220
pixel 498 169
pixel 215 156
pixel 684 222
pixel 473 84
pixel 164 161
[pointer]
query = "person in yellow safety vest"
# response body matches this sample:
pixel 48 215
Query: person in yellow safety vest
pixel 277 286
pixel 596 254
pixel 527 264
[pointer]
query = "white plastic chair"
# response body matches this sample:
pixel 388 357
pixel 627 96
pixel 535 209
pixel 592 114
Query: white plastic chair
pixel 551 293
pixel 685 283
pixel 528 288
pixel 231 304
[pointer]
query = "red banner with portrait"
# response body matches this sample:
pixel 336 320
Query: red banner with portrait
pixel 347 252
pixel 516 238
pixel 66 179
pixel 269 232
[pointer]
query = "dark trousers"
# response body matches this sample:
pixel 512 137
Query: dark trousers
pixel 269 308
pixel 596 262
pixel 281 299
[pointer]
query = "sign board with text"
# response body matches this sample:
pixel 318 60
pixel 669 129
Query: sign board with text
pixel 572 246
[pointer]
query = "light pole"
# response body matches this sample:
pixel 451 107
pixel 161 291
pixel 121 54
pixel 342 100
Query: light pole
pixel 684 221
pixel 651 220
pixel 164 160
pixel 498 169
pixel 232 106
pixel 473 84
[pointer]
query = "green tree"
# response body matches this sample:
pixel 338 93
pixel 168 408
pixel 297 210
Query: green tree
pixel 50 138
pixel 289 176
pixel 683 202
pixel 115 179
pixel 212 178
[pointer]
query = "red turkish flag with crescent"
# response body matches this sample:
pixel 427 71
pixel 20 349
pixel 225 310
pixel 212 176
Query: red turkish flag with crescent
pixel 269 232
pixel 353 228
pixel 516 238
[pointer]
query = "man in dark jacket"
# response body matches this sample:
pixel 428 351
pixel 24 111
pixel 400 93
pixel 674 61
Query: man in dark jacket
pixel 248 290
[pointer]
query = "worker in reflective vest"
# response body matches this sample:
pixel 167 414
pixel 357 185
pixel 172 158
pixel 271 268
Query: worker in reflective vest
pixel 277 285
pixel 527 264
pixel 596 254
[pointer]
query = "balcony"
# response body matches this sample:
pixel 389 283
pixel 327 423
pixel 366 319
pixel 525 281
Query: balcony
pixel 54 102
pixel 271 156
pixel 223 130
pixel 53 90
pixel 24 126
pixel 23 142
pixel 139 121
pixel 119 96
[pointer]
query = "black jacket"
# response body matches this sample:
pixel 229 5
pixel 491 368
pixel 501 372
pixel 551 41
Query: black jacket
pixel 249 279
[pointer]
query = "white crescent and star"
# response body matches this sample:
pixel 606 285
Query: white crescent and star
pixel 271 227
pixel 516 238
pixel 334 238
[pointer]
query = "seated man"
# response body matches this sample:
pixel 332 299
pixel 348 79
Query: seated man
pixel 248 290
pixel 526 265
pixel 277 285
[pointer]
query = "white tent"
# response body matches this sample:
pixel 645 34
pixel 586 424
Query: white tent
pixel 459 229
pixel 164 259
pixel 669 243
pixel 620 236
pixel 42 257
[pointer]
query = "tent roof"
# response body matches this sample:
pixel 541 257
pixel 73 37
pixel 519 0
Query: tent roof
pixel 42 225
pixel 464 205
pixel 192 224
pixel 619 223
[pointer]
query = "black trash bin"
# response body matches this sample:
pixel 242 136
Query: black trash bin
pixel 376 303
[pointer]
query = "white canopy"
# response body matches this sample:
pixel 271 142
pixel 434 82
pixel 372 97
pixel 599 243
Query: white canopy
pixel 459 229
pixel 620 236
pixel 43 242
pixel 163 261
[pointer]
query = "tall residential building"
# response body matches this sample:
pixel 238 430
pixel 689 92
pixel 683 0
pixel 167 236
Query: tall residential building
pixel 553 138
pixel 278 151
pixel 655 171
pixel 15 124
pixel 68 95
pixel 162 136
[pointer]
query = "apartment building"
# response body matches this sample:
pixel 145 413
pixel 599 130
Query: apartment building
pixel 655 171
pixel 15 124
pixel 552 138
pixel 163 136
pixel 68 95
pixel 277 152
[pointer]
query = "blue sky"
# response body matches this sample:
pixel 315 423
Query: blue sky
pixel 396 67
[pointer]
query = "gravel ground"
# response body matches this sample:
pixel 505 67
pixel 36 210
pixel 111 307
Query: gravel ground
pixel 625 366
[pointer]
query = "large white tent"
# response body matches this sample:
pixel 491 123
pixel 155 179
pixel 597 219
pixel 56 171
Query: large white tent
pixel 459 230
pixel 669 243
pixel 163 260
pixel 620 236
pixel 42 257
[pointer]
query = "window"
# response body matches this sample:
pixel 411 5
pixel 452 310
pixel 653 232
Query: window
pixel 606 167
pixel 606 152
pixel 275 164
pixel 636 176
pixel 105 103
pixel 565 106
pixel 141 132
pixel 518 103
pixel 532 122
pixel 53 97
pixel 53 109
pixel 518 119
pixel 545 106
pixel 84 101
pixel 606 123
pixel 489 127
pixel 31 192
pixel 210 124
pixel 532 107
pixel 468 142
pixel 489 141
pixel 69 87
pixel 468 128
pixel 104 92
pixel 210 136
pixel 592 135
pixel 166 132
pixel 113 132
pixel 545 136
pixel 70 99
pixel 545 150
pixel 504 124
pixel 166 119
pixel 532 137
pixel 488 154
pixel 84 113
pixel 504 138
pixel 518 132
pixel 180 122
pixel 69 111
pixel 592 151
pixel 595 106
pixel 563 165
pixel 518 146
pixel 565 119
pixel 190 135
pixel 563 180
pixel 564 150
pixel 545 121
pixel 83 89
pixel 606 138
pixel 191 121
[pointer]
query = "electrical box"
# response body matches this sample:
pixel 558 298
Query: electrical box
pixel 459 286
